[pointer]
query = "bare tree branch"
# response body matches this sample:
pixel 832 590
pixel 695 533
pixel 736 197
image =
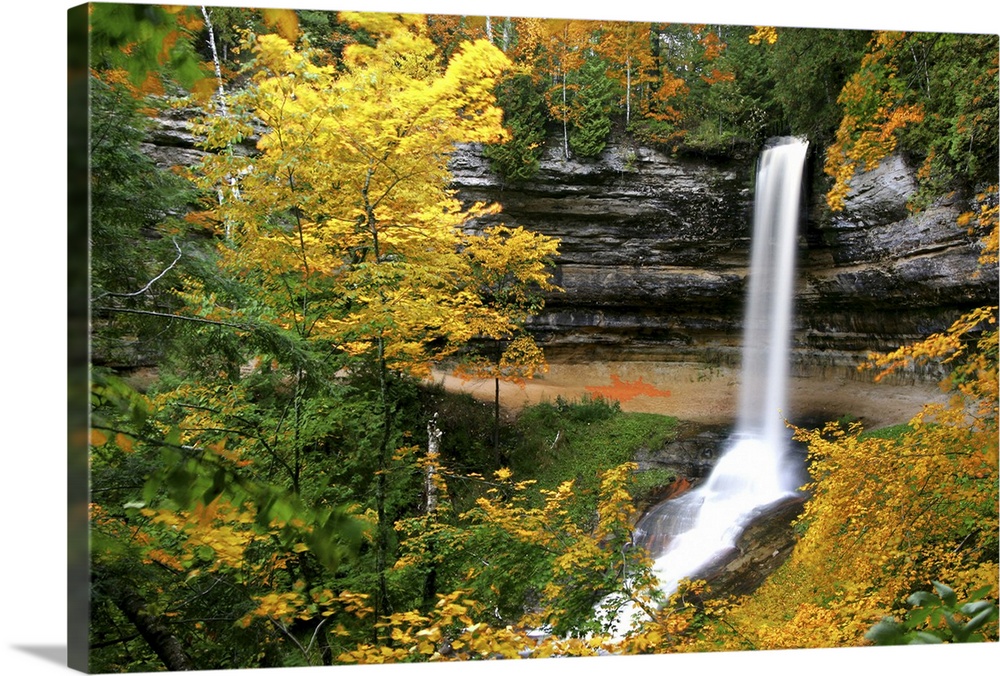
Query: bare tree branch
pixel 167 315
pixel 151 282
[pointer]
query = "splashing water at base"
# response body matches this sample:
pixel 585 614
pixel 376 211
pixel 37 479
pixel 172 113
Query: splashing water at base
pixel 688 533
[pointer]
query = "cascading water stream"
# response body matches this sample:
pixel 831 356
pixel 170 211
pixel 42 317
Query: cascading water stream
pixel 686 534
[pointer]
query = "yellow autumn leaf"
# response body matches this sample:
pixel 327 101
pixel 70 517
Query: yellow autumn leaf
pixel 285 21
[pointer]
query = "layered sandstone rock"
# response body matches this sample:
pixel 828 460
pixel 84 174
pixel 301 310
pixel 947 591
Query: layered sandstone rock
pixel 654 253
pixel 654 257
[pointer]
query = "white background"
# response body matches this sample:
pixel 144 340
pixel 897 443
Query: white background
pixel 32 241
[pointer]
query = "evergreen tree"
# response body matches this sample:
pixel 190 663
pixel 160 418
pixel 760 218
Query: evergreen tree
pixel 517 159
pixel 592 107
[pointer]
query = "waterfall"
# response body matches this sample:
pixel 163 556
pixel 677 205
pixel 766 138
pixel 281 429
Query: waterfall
pixel 686 534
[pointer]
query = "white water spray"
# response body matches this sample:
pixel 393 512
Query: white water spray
pixel 688 533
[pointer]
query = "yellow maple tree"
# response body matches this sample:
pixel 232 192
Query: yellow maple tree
pixel 875 109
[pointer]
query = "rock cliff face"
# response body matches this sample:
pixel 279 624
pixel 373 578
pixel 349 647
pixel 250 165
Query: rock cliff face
pixel 655 251
pixel 875 275
pixel 654 257
pixel 761 548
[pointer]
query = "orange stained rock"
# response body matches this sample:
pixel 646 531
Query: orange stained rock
pixel 622 390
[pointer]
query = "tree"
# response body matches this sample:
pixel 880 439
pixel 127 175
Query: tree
pixel 875 107
pixel 796 74
pixel 449 32
pixel 592 107
pixel 895 99
pixel 196 532
pixel 136 233
pixel 515 537
pixel 152 43
pixel 956 78
pixel 938 618
pixel 563 47
pixel 661 102
pixel 509 267
pixel 517 159
pixel 731 105
pixel 625 45
pixel 344 218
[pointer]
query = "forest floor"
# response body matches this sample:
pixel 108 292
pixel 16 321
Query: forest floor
pixel 709 394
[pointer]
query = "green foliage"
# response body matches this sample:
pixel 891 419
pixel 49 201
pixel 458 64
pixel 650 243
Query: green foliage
pixel 496 548
pixel 897 432
pixel 532 560
pixel 146 40
pixel 589 408
pixel 931 95
pixel 188 477
pixel 324 31
pixel 524 117
pixel 722 89
pixel 279 446
pixel 184 476
pixel 466 426
pixel 954 76
pixel 710 138
pixel 134 226
pixel 228 25
pixel 739 109
pixel 592 104
pixel 648 480
pixel 804 72
pixel 940 618
pixel 130 195
pixel 579 440
pixel 653 132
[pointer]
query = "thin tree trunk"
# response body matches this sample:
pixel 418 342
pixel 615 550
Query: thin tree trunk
pixel 382 529
pixel 565 120
pixel 496 409
pixel 496 422
pixel 215 59
pixel 431 501
pixel 433 452
pixel 628 89
pixel 381 488
pixel 222 101
pixel 505 40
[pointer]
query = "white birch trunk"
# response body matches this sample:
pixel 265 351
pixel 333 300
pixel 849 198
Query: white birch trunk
pixel 430 474
pixel 215 60
pixel 565 117
pixel 628 89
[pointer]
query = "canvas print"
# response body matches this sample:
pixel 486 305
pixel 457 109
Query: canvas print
pixel 418 337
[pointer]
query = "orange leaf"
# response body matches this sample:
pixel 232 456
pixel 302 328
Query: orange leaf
pixel 124 442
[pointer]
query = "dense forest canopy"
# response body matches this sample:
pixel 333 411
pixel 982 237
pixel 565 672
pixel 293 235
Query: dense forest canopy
pixel 281 493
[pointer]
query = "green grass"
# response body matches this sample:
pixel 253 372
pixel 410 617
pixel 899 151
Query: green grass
pixel 895 432
pixel 649 480
pixel 579 440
